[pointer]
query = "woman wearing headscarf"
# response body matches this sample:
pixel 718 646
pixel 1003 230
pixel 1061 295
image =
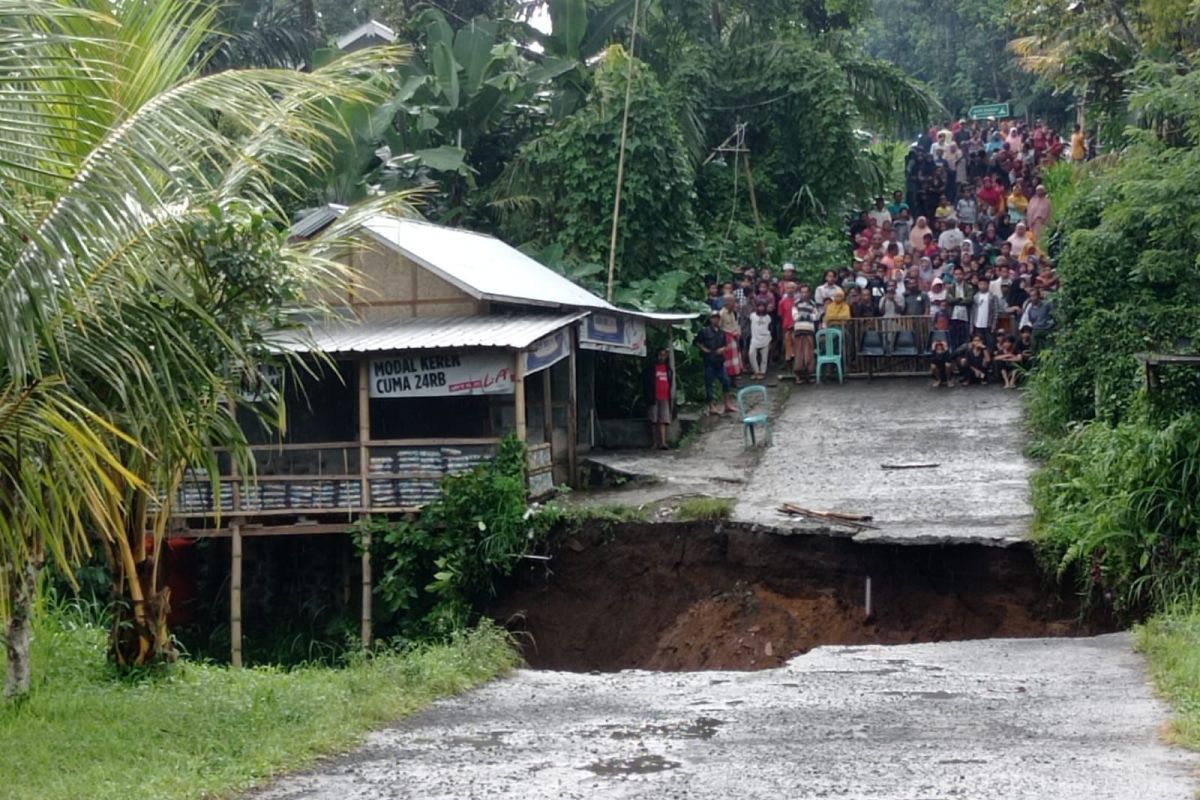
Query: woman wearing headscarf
pixel 916 239
pixel 731 326
pixel 1019 238
pixel 838 310
pixel 925 275
pixel 1037 214
pixel 1017 203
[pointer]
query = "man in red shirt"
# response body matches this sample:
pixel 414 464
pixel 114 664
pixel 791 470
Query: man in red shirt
pixel 658 383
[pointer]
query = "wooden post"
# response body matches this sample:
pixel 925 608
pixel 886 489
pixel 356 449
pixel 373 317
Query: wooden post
pixel 671 364
pixel 364 472
pixel 547 411
pixel 572 409
pixel 235 596
pixel 519 393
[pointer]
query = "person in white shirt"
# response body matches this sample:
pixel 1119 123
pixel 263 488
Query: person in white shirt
pixel 826 290
pixel 880 213
pixel 760 340
pixel 951 239
pixel 985 307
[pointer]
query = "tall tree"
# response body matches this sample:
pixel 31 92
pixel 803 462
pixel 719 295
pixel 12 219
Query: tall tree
pixel 138 197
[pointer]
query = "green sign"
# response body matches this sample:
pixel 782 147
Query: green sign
pixel 997 110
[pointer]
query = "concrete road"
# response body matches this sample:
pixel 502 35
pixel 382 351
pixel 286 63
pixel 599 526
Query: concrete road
pixel 831 440
pixel 1048 719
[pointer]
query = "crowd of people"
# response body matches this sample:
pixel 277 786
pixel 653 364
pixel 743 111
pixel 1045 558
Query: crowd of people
pixel 961 244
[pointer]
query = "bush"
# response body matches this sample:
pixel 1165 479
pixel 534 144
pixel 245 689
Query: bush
pixel 1119 504
pixel 435 570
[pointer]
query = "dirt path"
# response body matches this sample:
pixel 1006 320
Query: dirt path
pixel 1013 719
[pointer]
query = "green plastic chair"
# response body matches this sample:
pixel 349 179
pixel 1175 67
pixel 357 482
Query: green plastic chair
pixel 759 417
pixel 829 351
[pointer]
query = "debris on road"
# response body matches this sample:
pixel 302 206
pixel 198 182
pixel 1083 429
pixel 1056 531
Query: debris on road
pixel 856 521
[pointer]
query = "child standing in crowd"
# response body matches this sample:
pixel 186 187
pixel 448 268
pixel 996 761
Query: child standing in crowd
pixel 658 382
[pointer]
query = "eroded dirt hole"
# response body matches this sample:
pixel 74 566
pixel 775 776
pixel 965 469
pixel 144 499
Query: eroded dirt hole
pixel 688 596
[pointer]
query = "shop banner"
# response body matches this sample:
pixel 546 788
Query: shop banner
pixel 442 374
pixel 613 333
pixel 548 351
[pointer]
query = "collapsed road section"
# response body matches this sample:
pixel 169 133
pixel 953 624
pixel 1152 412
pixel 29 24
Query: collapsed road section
pixel 705 595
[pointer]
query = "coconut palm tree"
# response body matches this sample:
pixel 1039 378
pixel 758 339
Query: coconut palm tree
pixel 142 269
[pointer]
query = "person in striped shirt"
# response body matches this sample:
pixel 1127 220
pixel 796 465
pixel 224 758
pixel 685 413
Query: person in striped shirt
pixel 804 328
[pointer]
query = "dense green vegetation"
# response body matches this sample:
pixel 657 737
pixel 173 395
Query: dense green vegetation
pixel 196 730
pixel 1116 500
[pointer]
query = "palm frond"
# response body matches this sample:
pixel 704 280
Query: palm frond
pixel 888 98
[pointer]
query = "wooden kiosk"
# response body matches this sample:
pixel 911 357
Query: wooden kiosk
pixel 452 339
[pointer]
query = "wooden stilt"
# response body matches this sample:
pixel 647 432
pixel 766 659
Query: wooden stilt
pixel 367 591
pixel 235 595
pixel 364 466
pixel 671 364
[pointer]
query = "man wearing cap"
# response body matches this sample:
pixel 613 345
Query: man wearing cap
pixel 711 343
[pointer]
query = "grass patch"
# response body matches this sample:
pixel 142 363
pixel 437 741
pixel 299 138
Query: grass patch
pixel 1171 643
pixel 575 516
pixel 198 730
pixel 705 508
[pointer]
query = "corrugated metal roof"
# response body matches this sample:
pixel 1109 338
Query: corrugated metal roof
pixel 481 265
pixel 427 333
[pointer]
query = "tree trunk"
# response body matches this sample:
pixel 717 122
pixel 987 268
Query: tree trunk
pixel 140 635
pixel 22 587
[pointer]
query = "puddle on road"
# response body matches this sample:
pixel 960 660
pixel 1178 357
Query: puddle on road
pixel 480 741
pixel 703 728
pixel 639 765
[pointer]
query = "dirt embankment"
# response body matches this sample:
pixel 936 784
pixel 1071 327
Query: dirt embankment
pixel 708 596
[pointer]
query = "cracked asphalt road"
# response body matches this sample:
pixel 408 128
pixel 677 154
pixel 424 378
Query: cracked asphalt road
pixel 1040 719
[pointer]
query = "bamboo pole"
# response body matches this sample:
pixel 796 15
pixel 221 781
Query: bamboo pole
pixel 547 411
pixel 364 470
pixel 519 393
pixel 572 409
pixel 235 596
pixel 612 244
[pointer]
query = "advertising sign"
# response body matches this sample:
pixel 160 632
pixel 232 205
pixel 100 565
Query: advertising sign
pixel 613 333
pixel 441 374
pixel 548 351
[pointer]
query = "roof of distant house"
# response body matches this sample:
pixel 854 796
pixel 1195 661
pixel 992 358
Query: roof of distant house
pixel 363 35
pixel 480 265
